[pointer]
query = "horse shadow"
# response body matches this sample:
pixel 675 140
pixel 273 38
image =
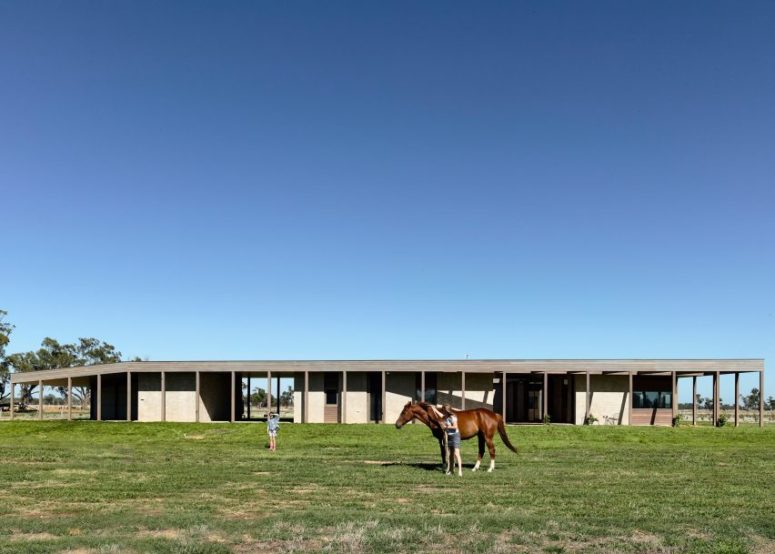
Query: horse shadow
pixel 426 466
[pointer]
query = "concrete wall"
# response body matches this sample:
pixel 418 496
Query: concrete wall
pixel 316 397
pixel 610 397
pixel 357 402
pixel 400 389
pixel 480 390
pixel 180 404
pixel 149 397
pixel 214 399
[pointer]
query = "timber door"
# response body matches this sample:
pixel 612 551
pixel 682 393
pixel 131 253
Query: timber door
pixel 331 389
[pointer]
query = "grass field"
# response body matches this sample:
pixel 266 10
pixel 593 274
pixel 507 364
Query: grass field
pixel 118 487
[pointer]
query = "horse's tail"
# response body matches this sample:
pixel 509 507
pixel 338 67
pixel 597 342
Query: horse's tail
pixel 504 436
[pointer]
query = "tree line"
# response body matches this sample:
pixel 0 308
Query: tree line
pixel 51 355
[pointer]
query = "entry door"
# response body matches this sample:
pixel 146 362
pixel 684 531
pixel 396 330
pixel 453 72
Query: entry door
pixel 375 396
pixel 331 390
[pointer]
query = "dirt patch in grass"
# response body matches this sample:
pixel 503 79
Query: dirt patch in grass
pixel 172 534
pixel 25 537
pixel 68 472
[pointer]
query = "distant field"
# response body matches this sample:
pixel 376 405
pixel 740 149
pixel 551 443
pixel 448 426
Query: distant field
pixel 117 487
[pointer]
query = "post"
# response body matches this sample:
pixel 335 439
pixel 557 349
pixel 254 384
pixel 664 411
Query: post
pixel 269 392
pixel 632 400
pixel 198 396
pixel 99 397
pixel 305 406
pixel 232 395
pixel 69 398
pixel 129 396
pixel 384 396
pixel 504 384
pixel 715 398
pixel 344 397
pixel 422 386
pixel 589 399
pixel 761 398
pixel 163 396
pixel 737 398
pixel 674 391
pixel 12 398
pixel 40 399
pixel 278 396
pixel 694 400
pixel 248 396
pixel 544 393
pixel 463 389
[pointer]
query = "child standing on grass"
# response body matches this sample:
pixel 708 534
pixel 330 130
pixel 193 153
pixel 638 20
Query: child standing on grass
pixel 272 426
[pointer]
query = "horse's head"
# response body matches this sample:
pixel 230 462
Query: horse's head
pixel 407 414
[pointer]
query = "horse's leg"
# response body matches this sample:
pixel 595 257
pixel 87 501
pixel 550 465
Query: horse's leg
pixel 491 449
pixel 443 449
pixel 480 436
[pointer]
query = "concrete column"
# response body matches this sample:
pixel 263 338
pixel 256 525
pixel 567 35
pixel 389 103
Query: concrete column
pixel 278 394
pixel 715 398
pixel 99 397
pixel 232 395
pixel 305 400
pixel 463 389
pixel 40 399
pixel 248 406
pixel 198 397
pixel 129 396
pixel 589 399
pixel 69 398
pixel 422 386
pixel 344 397
pixel 269 392
pixel 632 399
pixel 761 398
pixel 694 400
pixel 737 399
pixel 384 396
pixel 544 397
pixel 674 383
pixel 163 396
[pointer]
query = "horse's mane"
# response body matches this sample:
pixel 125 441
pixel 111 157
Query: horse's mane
pixel 430 409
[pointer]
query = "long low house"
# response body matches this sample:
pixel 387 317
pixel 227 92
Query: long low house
pixel 621 392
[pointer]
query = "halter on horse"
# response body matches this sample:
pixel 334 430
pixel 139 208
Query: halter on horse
pixel 480 422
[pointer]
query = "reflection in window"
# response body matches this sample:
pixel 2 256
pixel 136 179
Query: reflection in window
pixel 652 399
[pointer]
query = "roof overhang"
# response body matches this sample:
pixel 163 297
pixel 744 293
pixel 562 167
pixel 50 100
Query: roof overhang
pixel 687 367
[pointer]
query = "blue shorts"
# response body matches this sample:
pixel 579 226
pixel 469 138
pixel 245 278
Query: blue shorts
pixel 453 440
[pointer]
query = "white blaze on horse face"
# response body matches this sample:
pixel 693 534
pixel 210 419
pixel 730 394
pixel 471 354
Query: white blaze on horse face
pixel 492 466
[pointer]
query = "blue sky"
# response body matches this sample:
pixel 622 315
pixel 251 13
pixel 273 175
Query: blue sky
pixel 249 180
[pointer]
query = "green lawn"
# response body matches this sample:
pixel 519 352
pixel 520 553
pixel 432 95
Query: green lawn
pixel 117 487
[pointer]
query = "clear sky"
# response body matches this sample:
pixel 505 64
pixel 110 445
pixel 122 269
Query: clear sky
pixel 250 180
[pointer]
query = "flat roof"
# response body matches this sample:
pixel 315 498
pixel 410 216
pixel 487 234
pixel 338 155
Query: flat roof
pixel 595 366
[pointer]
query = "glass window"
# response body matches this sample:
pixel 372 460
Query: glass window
pixel 652 399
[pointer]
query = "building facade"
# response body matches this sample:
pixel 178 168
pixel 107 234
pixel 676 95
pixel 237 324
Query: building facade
pixel 619 392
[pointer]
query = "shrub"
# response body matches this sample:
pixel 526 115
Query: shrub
pixel 722 420
pixel 590 420
pixel 677 420
pixel 547 419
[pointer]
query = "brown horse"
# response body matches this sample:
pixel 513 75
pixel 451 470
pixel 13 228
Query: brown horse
pixel 480 422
